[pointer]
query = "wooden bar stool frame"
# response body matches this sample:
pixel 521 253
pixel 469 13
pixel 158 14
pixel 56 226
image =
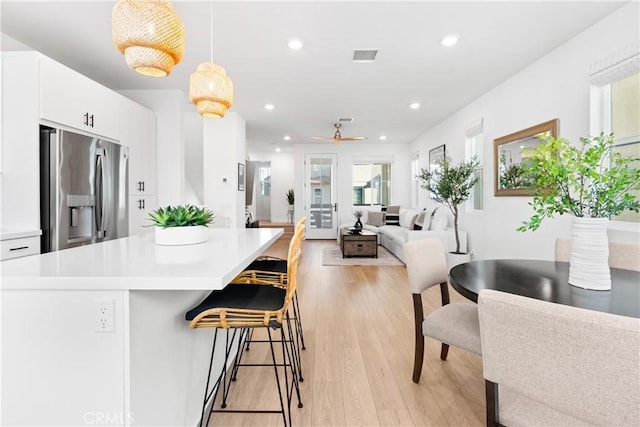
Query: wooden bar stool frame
pixel 244 320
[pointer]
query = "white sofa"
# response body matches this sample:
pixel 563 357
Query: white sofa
pixel 393 237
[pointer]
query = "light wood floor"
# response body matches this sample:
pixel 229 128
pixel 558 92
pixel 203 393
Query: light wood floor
pixel 358 328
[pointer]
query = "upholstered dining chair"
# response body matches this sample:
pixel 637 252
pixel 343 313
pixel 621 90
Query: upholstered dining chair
pixel 621 255
pixel 551 364
pixel 452 324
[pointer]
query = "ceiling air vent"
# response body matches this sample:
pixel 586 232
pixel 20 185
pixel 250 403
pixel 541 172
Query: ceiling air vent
pixel 345 120
pixel 364 55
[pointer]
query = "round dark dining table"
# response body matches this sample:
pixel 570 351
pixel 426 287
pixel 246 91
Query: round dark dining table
pixel 548 281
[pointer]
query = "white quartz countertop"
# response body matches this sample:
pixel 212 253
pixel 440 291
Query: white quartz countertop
pixel 137 263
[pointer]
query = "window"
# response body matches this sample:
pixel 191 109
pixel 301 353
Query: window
pixel 474 148
pixel 615 105
pixel 415 182
pixel 371 183
pixel 264 175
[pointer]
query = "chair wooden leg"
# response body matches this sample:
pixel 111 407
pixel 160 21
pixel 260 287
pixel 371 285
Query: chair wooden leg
pixel 444 351
pixel 419 357
pixel 419 351
pixel 491 396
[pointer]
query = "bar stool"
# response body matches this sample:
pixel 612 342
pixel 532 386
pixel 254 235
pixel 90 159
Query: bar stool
pixel 242 307
pixel 279 265
pixel 274 271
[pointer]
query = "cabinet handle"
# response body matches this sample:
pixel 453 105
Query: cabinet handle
pixel 143 206
pixel 91 121
pixel 18 248
pixel 142 186
pixel 86 119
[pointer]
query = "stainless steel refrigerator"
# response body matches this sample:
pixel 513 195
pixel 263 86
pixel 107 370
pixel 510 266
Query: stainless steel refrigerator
pixel 83 189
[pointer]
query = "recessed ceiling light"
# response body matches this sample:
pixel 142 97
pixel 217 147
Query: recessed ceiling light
pixel 414 106
pixel 277 149
pixel 295 44
pixel 287 138
pixel 449 40
pixel 269 107
pixel 383 137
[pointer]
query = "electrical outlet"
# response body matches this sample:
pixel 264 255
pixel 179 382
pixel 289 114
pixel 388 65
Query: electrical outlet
pixel 104 316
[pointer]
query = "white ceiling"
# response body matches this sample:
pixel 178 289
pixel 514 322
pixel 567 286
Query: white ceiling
pixel 312 87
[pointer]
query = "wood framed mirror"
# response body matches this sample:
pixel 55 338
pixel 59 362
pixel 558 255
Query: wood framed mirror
pixel 509 153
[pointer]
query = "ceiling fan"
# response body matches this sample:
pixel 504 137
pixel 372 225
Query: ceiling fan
pixel 337 137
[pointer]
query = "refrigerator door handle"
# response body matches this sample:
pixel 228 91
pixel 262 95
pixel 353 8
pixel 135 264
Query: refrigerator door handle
pixel 101 194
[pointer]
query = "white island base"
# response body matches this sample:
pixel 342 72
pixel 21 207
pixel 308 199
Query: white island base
pixel 58 369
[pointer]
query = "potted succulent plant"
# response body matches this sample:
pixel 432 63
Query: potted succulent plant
pixel 290 198
pixel 291 201
pixel 592 183
pixel 181 225
pixel 451 185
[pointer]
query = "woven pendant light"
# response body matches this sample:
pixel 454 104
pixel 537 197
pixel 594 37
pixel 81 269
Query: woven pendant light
pixel 209 87
pixel 149 34
pixel 211 90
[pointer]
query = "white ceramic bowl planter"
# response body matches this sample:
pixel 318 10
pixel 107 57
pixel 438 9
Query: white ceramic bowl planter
pixel 173 236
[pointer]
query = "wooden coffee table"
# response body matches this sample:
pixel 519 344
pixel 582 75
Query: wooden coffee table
pixel 364 244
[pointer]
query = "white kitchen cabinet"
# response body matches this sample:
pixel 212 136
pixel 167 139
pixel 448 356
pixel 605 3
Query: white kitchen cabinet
pixel 138 132
pixel 71 99
pixel 16 248
pixel 139 209
pixel 20 182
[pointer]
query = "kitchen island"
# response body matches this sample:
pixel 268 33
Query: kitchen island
pixel 96 335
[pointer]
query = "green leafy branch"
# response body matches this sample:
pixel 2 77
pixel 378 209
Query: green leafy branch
pixel 586 180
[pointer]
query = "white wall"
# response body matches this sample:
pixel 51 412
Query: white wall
pixel 167 104
pixel 193 152
pixel 282 179
pixel 224 146
pixel 556 86
pixel 347 153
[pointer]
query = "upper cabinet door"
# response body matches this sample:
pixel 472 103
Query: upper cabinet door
pixel 138 132
pixel 71 99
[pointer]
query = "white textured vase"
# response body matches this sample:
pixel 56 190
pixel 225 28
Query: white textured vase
pixel 454 259
pixel 173 236
pixel 589 263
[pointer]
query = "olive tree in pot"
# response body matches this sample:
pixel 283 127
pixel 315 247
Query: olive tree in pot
pixel 451 185
pixel 590 182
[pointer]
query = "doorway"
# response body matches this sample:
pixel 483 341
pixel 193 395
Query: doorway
pixel 263 190
pixel 320 204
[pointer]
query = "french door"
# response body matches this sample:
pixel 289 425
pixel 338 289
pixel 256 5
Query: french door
pixel 320 204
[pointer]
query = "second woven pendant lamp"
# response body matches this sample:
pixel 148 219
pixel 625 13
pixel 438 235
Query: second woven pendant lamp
pixel 149 34
pixel 209 87
pixel 211 90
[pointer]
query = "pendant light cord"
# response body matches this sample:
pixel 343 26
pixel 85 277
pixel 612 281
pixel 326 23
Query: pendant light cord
pixel 211 31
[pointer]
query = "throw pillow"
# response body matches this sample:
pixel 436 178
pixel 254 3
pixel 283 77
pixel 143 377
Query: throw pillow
pixel 412 222
pixel 392 218
pixel 393 209
pixel 418 223
pixel 438 223
pixel 375 218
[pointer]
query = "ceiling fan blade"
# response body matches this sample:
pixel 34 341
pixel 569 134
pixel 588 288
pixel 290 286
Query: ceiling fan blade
pixel 323 138
pixel 353 138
